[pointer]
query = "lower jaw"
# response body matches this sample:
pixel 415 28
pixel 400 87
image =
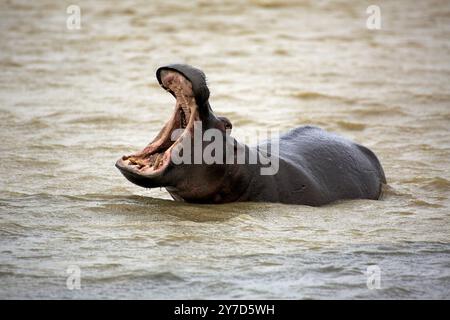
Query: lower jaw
pixel 153 163
pixel 145 165
pixel 138 178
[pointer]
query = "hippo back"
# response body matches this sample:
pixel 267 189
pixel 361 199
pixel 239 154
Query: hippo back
pixel 318 167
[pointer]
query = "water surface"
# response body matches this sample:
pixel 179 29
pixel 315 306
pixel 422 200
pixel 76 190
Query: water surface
pixel 73 101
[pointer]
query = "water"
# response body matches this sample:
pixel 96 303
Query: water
pixel 73 101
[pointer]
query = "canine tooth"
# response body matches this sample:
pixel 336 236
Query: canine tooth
pixel 155 163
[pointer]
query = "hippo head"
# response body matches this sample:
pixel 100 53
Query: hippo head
pixel 154 166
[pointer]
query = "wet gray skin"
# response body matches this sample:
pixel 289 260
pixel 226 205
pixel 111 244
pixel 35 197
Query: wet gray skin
pixel 315 167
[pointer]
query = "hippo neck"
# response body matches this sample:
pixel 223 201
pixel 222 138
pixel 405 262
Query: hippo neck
pixel 241 180
pixel 237 183
pixel 205 110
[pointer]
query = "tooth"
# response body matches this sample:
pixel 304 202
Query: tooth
pixel 156 163
pixel 161 160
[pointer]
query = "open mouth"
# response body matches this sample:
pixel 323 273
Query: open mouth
pixel 155 158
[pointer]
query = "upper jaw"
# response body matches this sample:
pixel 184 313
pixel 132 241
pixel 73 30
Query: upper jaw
pixel 195 76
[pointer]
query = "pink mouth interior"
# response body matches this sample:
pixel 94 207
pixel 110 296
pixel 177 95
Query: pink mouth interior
pixel 156 156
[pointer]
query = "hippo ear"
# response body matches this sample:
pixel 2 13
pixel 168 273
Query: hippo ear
pixel 226 123
pixel 194 75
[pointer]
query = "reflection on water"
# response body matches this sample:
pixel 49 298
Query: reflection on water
pixel 72 102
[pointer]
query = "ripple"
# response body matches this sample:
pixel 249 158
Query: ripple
pixel 435 183
pixel 310 95
pixel 354 126
pixel 377 110
pixel 435 97
pixel 138 275
pixel 400 213
pixel 101 119
pixel 12 229
pixel 277 4
pixel 423 203
pixel 9 63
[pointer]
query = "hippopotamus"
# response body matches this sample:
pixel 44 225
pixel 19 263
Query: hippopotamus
pixel 313 167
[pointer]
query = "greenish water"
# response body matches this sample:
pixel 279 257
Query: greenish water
pixel 72 102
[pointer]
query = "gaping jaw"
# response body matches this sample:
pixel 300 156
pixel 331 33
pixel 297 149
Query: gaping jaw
pixel 154 159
